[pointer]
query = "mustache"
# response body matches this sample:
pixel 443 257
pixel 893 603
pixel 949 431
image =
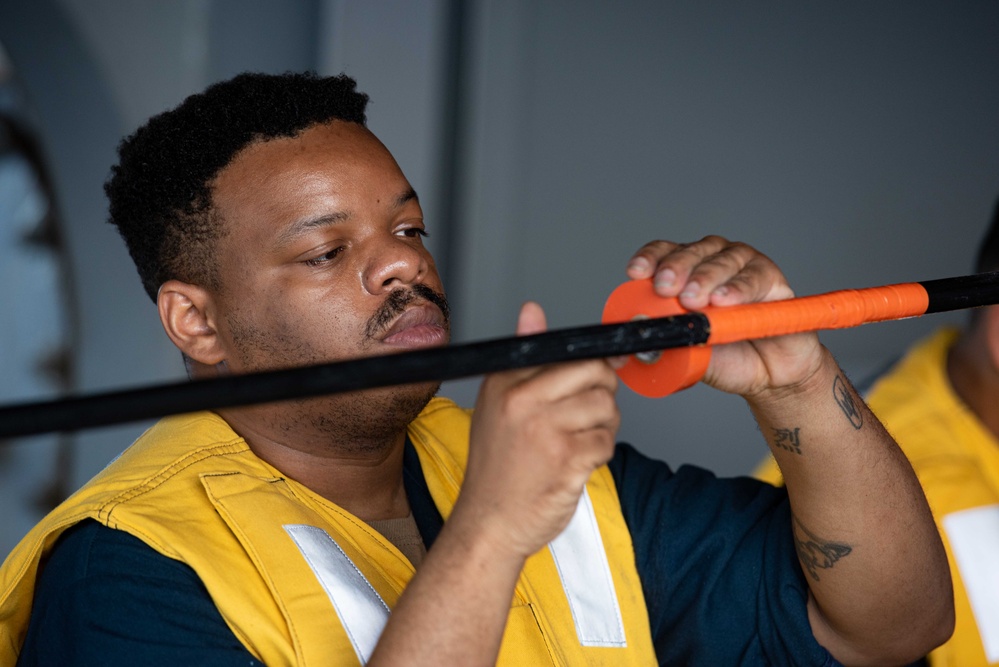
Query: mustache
pixel 396 302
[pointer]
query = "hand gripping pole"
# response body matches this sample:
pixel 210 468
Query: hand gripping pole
pixel 677 369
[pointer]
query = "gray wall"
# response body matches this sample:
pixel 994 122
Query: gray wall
pixel 854 142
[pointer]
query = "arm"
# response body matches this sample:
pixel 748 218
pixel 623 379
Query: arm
pixel 536 436
pixel 880 589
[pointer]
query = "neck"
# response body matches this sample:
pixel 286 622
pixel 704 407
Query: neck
pixel 975 378
pixel 362 477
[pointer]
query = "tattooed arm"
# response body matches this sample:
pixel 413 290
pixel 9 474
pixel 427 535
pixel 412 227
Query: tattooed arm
pixel 879 583
pixel 880 588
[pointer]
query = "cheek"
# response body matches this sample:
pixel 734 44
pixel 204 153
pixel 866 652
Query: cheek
pixel 235 268
pixel 313 330
pixel 285 319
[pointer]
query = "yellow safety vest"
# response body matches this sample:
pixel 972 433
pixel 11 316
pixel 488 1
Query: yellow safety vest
pixel 300 581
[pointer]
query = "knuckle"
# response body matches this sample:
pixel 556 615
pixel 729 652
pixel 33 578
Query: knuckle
pixel 606 399
pixel 719 261
pixel 740 282
pixel 656 250
pixel 714 239
pixel 603 447
pixel 659 245
pixel 686 249
pixel 740 247
pixel 762 264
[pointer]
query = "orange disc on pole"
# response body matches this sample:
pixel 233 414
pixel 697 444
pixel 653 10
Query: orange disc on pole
pixel 654 374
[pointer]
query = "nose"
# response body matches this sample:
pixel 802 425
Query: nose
pixel 394 262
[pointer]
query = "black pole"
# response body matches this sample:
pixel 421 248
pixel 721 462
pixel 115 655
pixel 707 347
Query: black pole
pixel 962 292
pixel 426 365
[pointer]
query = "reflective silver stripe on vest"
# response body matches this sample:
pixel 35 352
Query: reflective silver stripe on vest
pixel 586 579
pixel 974 540
pixel 361 610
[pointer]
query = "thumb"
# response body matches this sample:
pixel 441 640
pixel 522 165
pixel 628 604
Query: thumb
pixel 531 319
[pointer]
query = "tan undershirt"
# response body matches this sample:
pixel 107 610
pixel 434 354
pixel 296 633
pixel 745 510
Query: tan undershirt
pixel 404 534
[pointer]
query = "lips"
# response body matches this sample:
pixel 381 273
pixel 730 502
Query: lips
pixel 420 325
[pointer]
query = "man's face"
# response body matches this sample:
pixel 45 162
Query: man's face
pixel 323 257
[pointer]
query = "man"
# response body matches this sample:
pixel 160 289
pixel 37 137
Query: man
pixel 941 402
pixel 273 229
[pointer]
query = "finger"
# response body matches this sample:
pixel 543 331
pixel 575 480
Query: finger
pixel 672 263
pixel 758 280
pixel 592 409
pixel 531 319
pixel 593 448
pixel 736 273
pixel 579 451
pixel 618 362
pixel 556 382
pixel 643 263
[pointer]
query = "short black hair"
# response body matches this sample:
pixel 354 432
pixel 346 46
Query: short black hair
pixel 160 192
pixel 988 250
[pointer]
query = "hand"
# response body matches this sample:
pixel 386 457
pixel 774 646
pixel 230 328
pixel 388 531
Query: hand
pixel 718 272
pixel 537 435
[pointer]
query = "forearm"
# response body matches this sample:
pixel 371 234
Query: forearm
pixel 864 533
pixel 455 609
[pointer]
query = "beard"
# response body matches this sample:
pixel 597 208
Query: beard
pixel 360 422
pixel 364 422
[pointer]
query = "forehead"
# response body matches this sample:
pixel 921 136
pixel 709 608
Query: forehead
pixel 339 164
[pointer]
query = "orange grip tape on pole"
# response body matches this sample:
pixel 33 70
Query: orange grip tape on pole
pixel 834 310
pixel 675 369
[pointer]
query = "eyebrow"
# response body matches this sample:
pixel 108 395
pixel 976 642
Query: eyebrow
pixel 301 227
pixel 405 197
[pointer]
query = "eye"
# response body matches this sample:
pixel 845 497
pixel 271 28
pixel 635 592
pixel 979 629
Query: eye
pixel 415 232
pixel 325 258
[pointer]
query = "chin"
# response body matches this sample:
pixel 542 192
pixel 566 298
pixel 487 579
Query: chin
pixel 370 419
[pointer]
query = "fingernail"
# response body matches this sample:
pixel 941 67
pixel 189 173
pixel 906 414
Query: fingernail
pixel 720 291
pixel 665 278
pixel 691 290
pixel 639 264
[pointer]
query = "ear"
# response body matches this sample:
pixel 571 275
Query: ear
pixel 187 314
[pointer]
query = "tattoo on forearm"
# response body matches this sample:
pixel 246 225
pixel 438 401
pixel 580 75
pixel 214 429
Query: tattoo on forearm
pixel 847 403
pixel 788 438
pixel 814 552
